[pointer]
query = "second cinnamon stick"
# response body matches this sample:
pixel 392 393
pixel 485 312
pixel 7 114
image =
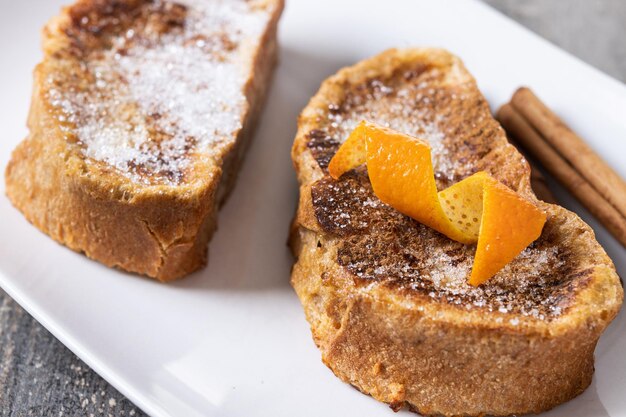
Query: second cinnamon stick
pixel 573 149
pixel 557 166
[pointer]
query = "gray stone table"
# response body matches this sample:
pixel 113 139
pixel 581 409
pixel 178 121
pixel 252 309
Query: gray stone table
pixel 40 377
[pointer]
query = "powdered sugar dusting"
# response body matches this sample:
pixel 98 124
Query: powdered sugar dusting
pixel 408 109
pixel 526 273
pixel 518 288
pixel 157 99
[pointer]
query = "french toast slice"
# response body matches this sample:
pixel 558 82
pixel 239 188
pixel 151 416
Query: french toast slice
pixel 140 115
pixel 387 298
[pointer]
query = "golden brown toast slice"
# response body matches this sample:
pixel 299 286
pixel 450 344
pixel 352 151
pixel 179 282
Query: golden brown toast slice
pixel 387 298
pixel 140 115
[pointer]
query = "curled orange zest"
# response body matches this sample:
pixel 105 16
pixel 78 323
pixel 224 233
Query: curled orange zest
pixel 478 209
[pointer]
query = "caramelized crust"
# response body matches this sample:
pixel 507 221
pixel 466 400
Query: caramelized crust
pixel 380 244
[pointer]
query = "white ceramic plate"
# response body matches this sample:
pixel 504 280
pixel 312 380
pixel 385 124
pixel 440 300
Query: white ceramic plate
pixel 232 340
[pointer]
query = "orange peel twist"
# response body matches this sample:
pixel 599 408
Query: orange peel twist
pixel 478 209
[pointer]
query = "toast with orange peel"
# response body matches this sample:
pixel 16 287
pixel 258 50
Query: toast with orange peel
pixel 388 298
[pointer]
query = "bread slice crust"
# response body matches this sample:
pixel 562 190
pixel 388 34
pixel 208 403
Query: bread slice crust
pixel 387 298
pixel 132 216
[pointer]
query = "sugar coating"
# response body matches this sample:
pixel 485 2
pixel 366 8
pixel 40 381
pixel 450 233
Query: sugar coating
pixel 156 101
pixel 380 245
pixel 527 272
pixel 401 110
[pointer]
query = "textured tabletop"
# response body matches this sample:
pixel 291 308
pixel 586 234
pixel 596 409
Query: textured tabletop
pixel 40 377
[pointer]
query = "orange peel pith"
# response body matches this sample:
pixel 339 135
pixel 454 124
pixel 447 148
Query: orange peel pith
pixel 478 209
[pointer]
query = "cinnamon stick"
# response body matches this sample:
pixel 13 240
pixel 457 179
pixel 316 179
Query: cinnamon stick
pixel 573 149
pixel 556 165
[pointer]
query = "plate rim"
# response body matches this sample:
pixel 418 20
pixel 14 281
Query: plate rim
pixel 118 381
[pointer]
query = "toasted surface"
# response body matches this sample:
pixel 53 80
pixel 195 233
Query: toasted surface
pixel 388 299
pixel 140 114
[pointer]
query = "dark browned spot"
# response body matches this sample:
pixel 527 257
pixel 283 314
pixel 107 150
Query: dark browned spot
pixel 381 245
